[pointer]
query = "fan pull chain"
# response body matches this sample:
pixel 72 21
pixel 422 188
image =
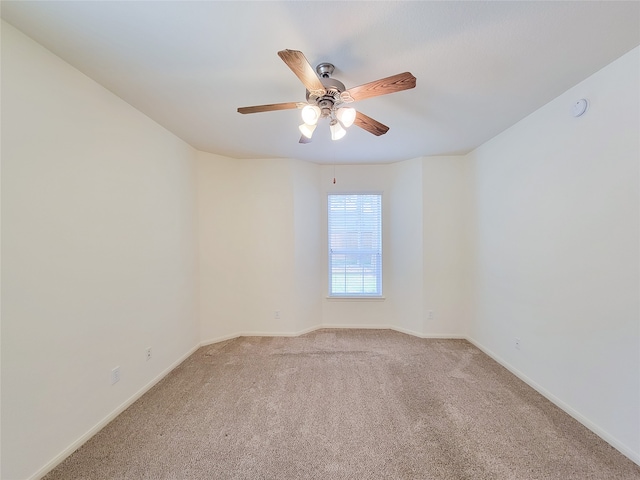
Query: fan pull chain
pixel 334 174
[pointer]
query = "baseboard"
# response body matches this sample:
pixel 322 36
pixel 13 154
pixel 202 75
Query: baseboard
pixel 103 423
pixel 231 336
pixel 627 452
pixel 452 336
pixel 445 336
pixel 224 338
pixel 355 327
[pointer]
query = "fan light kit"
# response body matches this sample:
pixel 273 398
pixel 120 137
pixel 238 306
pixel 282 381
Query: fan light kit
pixel 327 96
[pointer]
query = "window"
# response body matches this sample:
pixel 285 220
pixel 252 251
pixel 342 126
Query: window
pixel 355 245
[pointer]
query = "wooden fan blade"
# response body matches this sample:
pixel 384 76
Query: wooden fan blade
pixel 304 139
pixel 395 83
pixel 370 125
pixel 299 65
pixel 270 107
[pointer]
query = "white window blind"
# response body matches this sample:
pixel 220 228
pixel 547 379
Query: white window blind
pixel 355 245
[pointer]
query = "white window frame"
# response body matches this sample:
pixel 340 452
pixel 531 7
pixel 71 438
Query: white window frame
pixel 373 255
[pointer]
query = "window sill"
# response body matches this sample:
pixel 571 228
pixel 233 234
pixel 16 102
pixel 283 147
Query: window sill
pixel 356 299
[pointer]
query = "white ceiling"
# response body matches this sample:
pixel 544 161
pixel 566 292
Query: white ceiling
pixel 480 66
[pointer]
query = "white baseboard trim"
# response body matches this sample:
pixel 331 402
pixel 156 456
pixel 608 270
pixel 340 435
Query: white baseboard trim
pixel 451 336
pixel 224 338
pixel 444 336
pixel 626 451
pixel 58 459
pixel 354 327
pixel 231 336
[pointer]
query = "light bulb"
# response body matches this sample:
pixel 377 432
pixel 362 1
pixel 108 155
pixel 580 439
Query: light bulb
pixel 346 115
pixel 307 130
pixel 310 114
pixel 337 132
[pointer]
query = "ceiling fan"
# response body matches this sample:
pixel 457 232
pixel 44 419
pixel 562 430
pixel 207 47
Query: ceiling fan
pixel 327 97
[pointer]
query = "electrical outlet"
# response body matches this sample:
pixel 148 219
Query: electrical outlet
pixel 115 375
pixel 430 315
pixel 148 351
pixel 517 343
pixel 277 314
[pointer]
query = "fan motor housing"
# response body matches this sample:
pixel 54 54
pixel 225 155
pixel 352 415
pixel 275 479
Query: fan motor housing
pixel 333 89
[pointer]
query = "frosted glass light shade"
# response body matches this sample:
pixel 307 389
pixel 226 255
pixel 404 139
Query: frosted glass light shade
pixel 346 115
pixel 337 132
pixel 307 130
pixel 310 114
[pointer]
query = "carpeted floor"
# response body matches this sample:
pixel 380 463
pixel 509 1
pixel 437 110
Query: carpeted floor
pixel 344 404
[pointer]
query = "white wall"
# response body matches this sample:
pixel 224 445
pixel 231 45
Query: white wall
pixel 308 241
pixel 263 230
pixel 404 251
pixel 98 254
pixel 423 247
pixel 357 312
pixel 447 244
pixel 557 251
pixel 248 243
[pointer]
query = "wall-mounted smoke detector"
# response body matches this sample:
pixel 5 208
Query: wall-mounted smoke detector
pixel 580 107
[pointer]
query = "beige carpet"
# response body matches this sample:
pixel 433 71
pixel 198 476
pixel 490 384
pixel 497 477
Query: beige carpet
pixel 344 404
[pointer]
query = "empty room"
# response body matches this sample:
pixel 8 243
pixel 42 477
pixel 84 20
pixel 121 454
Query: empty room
pixel 322 240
